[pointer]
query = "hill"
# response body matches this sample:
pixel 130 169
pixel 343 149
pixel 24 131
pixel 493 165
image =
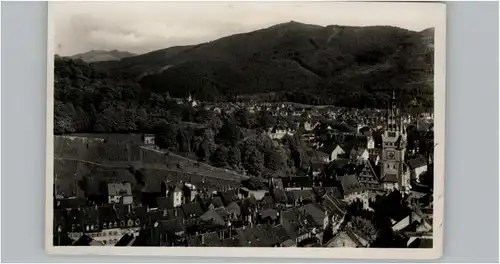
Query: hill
pixel 346 66
pixel 102 55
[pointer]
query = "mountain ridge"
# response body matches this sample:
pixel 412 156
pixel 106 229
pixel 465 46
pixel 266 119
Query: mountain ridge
pixel 102 55
pixel 291 58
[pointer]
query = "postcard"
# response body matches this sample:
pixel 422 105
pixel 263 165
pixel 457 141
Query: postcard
pixel 303 129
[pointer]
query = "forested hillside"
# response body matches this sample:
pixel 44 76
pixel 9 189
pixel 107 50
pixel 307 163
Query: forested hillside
pixel 346 66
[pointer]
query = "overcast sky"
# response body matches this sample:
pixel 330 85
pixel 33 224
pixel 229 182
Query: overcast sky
pixel 141 27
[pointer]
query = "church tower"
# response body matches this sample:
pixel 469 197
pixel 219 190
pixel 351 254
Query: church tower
pixel 393 149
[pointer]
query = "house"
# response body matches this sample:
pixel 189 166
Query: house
pixel 359 154
pixel 300 197
pixel 297 183
pixel 189 192
pixel 269 215
pixel 350 186
pixel 257 194
pixel 316 168
pixel 216 202
pixel 126 241
pixel 217 216
pixel 344 239
pixel 148 139
pixel 333 150
pixel 335 211
pixel 234 210
pixel 370 142
pixel 417 167
pixel 192 210
pixel 228 196
pixel 278 132
pixel 374 158
pixel 315 213
pixel 120 193
pixel 106 224
pixel 265 203
pixel 87 241
pixel 368 177
pixel 175 195
pixel 310 126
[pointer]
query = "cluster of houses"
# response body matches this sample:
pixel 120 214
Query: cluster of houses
pixel 369 163
pixel 280 212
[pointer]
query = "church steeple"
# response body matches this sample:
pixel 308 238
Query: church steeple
pixel 393 116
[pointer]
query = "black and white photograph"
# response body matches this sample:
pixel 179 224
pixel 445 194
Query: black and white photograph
pixel 246 124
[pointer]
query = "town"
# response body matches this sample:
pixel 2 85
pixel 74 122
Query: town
pixel 248 173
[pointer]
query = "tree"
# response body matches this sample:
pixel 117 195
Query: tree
pixel 166 136
pixel 220 157
pixel 253 160
pixel 234 157
pixel 242 117
pixel 230 133
pixel 266 120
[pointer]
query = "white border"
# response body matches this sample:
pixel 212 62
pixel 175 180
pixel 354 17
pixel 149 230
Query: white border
pixel 311 253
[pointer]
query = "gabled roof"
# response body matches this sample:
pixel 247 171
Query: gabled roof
pixel 192 209
pixel 211 240
pixel 233 208
pixel 212 215
pixel 329 146
pixel 86 241
pixel 164 203
pixel 300 194
pixel 217 202
pixel 229 196
pixel 119 189
pixel 271 213
pixel 126 241
pixel 389 177
pixel 417 162
pixel 334 206
pixel 315 212
pixel 301 181
pixel 350 184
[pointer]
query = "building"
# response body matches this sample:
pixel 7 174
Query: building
pixel 148 139
pixel 120 193
pixel 417 167
pixel 368 177
pixel 393 150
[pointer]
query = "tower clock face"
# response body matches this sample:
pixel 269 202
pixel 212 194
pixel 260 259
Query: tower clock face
pixel 391 155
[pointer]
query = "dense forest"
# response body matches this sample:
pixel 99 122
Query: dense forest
pixel 90 101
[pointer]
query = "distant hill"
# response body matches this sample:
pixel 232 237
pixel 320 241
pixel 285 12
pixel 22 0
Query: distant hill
pixel 102 55
pixel 342 65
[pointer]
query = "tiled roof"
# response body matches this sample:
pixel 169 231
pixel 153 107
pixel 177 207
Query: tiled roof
pixel 118 189
pixel 233 208
pixel 417 162
pixel 192 209
pixel 301 181
pixel 315 212
pixel 164 203
pixel 217 202
pixel 334 206
pixel 350 184
pixel 211 240
pixel 389 177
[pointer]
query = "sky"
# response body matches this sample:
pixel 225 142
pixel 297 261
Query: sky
pixel 140 27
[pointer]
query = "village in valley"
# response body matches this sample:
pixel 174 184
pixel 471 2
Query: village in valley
pixel 346 177
pixel 275 134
